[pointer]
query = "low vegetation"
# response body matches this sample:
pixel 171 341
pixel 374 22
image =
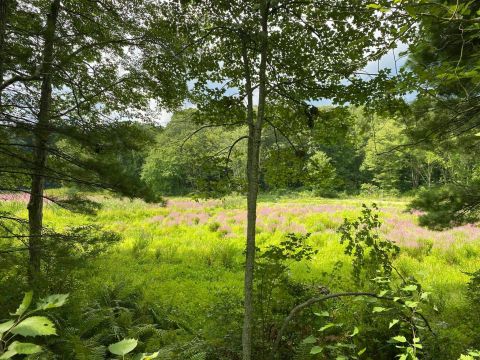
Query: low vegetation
pixel 173 281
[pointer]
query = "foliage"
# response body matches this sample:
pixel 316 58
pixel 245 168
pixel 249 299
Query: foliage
pixel 277 290
pixel 126 346
pixel 443 69
pixel 181 292
pixel 184 161
pixel 405 299
pixel 364 242
pixel 26 324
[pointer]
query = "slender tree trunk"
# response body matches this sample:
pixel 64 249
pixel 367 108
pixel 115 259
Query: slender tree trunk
pixel 41 135
pixel 3 30
pixel 253 160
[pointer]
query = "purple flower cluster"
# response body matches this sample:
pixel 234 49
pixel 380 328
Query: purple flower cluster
pixel 404 231
pixel 400 227
pixel 18 197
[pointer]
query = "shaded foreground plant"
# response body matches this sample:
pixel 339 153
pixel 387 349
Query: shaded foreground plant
pixel 26 324
pixel 404 300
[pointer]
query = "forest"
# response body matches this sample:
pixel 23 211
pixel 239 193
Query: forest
pixel 240 180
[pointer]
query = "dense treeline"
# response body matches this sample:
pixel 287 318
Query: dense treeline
pixel 342 151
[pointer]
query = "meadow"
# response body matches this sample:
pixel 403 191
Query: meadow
pixel 185 259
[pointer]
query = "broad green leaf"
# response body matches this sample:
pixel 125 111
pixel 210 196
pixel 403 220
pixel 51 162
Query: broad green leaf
pixel 323 313
pixel 8 354
pixel 379 309
pixel 27 300
pixel 316 350
pixel 374 6
pixel 123 347
pixel 355 332
pixel 4 327
pixel 25 348
pixel 411 304
pixel 410 288
pixel 393 323
pixel 52 301
pixel 328 326
pixel 35 326
pixel 17 347
pixel 400 338
pixel 309 340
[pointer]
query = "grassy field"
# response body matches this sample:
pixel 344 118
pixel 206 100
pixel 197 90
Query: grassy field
pixel 186 258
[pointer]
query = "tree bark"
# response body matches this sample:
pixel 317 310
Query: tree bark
pixel 41 135
pixel 3 30
pixel 253 160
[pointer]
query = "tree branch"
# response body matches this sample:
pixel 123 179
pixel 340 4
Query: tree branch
pixel 315 300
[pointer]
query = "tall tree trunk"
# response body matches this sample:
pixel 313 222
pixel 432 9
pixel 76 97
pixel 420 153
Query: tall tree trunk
pixel 3 30
pixel 41 135
pixel 253 159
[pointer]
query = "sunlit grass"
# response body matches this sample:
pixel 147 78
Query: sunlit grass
pixel 182 256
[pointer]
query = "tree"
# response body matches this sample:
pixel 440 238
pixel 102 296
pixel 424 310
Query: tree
pixel 443 69
pixel 290 53
pixel 186 160
pixel 66 80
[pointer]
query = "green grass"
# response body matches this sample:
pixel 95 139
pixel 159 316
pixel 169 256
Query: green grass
pixel 187 256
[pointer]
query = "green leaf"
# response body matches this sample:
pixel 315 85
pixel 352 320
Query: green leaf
pixel 8 354
pixel 400 339
pixel 323 313
pixel 146 356
pixel 123 347
pixel 411 304
pixel 309 340
pixel 379 309
pixel 425 296
pixel 27 300
pixel 4 327
pixel 410 288
pixel 52 301
pixel 355 332
pixel 21 348
pixel 383 293
pixel 316 350
pixel 25 348
pixel 374 6
pixel 362 351
pixel 328 326
pixel 393 323
pixel 35 326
